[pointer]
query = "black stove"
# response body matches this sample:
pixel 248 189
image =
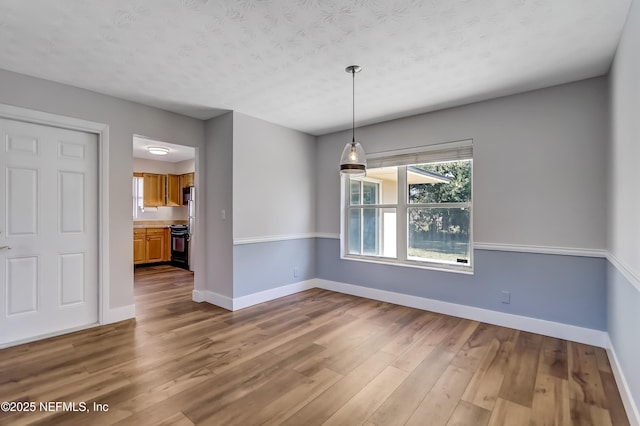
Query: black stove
pixel 180 246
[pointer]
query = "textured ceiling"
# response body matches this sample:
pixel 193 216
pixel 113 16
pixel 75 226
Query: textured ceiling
pixel 283 61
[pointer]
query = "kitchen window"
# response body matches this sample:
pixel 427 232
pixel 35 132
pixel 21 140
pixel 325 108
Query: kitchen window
pixel 413 208
pixel 137 191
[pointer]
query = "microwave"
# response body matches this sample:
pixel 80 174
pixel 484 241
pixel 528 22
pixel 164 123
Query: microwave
pixel 188 194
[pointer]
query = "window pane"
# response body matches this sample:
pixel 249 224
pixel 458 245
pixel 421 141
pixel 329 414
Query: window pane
pixel 370 192
pixel 439 235
pixel 355 231
pixel 372 231
pixel 440 182
pixel 355 192
pixel 388 181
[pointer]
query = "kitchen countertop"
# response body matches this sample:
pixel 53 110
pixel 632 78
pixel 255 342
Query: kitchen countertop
pixel 145 224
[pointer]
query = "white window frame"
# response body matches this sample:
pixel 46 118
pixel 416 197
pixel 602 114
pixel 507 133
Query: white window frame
pixel 450 151
pixel 362 206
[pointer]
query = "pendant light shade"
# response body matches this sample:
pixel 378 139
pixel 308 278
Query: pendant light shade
pixel 353 161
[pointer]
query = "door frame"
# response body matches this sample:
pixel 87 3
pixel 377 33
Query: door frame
pixel 101 130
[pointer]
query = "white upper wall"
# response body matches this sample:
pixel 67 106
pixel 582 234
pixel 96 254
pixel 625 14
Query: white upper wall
pixel 163 167
pixel 186 166
pixel 539 171
pixel 624 178
pixel 273 180
pixel 153 166
pixel 124 119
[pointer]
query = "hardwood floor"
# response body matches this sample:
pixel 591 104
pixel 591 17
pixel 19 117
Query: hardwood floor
pixel 315 357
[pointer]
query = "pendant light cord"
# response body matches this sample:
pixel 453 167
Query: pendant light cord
pixel 353 104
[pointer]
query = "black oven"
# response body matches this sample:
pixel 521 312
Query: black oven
pixel 180 246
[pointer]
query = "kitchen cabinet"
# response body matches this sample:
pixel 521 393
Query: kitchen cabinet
pixel 155 249
pixel 186 180
pixel 139 246
pixel 151 245
pixel 174 190
pixel 154 189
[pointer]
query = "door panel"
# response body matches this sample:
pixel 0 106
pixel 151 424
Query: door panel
pixel 22 201
pixel 22 285
pixel 71 201
pixel 20 144
pixel 71 278
pixel 155 248
pixel 49 218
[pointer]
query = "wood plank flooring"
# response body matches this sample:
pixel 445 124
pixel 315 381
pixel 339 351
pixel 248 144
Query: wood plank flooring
pixel 316 357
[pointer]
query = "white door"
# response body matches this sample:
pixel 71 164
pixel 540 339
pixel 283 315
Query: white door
pixel 48 230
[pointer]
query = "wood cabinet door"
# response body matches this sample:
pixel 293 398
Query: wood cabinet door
pixel 186 180
pixel 167 245
pixel 139 246
pixel 154 189
pixel 174 191
pixel 155 246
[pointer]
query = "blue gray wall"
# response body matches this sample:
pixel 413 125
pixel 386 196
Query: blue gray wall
pixel 623 323
pixel 263 266
pixel 564 289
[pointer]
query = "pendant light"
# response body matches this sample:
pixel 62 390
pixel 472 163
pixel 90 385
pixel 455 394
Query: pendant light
pixel 353 161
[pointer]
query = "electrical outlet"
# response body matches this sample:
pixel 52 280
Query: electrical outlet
pixel 506 297
pixel 296 272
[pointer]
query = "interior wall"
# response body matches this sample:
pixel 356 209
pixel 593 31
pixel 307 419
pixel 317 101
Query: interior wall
pixel 539 180
pixel 623 296
pixel 124 119
pixel 273 205
pixel 273 180
pixel 539 175
pixel 186 166
pixel 218 223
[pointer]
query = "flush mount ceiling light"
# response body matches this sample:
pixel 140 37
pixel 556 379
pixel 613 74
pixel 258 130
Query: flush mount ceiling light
pixel 353 161
pixel 158 150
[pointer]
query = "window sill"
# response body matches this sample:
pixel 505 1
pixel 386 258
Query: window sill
pixel 465 270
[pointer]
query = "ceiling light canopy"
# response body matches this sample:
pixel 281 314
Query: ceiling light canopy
pixel 158 150
pixel 353 161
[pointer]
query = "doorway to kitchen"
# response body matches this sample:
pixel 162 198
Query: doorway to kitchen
pixel 164 198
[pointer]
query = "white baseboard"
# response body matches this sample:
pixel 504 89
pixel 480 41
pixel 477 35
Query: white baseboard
pixel 533 325
pixel 250 299
pixel 119 314
pixel 271 294
pixel 213 298
pixel 4 345
pixel 197 296
pixel 623 387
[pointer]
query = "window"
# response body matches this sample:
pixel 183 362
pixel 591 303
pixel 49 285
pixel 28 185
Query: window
pixel 138 195
pixel 413 208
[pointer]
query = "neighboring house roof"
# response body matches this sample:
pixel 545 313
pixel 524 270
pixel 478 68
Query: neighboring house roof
pixel 415 175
